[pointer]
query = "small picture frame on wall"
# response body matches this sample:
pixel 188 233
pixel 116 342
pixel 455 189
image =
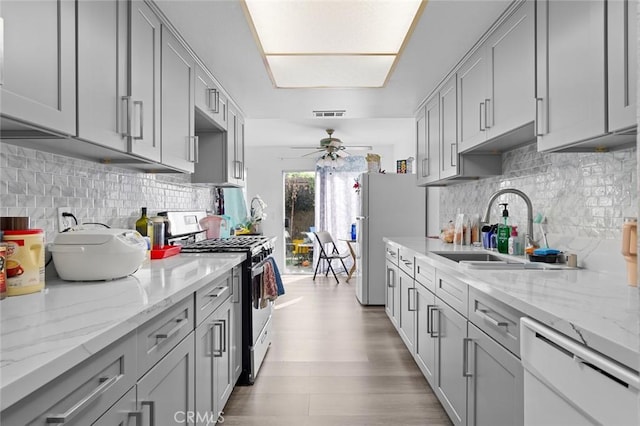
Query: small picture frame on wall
pixel 401 166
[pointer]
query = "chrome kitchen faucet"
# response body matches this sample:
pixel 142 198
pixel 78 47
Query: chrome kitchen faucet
pixel 487 213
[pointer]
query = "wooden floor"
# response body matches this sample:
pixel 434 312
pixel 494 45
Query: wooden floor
pixel 333 362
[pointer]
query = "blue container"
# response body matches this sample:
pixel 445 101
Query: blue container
pixel 353 231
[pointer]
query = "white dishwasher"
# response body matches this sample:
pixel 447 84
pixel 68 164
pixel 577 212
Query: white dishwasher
pixel 566 383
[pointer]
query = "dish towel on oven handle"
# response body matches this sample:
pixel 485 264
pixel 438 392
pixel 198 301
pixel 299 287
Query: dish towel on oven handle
pixel 269 286
pixel 277 274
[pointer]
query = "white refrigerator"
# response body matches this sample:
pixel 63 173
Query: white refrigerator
pixel 391 205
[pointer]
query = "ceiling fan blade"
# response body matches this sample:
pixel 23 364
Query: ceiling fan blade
pixel 313 153
pixel 359 147
pixel 307 147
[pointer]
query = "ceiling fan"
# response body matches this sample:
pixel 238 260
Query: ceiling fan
pixel 333 150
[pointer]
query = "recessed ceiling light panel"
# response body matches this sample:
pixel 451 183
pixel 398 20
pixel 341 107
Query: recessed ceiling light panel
pixel 330 71
pixel 298 36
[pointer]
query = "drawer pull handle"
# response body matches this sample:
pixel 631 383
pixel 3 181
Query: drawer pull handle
pixel 219 292
pixel 181 323
pixel 484 313
pixel 67 416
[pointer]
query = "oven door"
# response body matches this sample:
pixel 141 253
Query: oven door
pixel 260 311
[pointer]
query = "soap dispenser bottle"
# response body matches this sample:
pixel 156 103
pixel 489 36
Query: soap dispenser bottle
pixel 504 231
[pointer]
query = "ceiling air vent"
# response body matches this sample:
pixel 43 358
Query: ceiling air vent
pixel 329 114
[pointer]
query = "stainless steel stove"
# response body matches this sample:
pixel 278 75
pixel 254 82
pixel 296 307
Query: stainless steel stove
pixel 256 316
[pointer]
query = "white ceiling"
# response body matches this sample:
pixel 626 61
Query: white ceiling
pixel 218 32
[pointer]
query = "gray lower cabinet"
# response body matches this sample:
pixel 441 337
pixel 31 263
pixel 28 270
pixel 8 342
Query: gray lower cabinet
pixel 214 370
pixel 84 393
pixel 167 391
pixel 425 346
pixel 236 324
pixel 451 382
pixel 407 311
pixel 391 278
pixel 495 394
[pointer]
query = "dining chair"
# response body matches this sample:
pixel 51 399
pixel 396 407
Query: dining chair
pixel 328 252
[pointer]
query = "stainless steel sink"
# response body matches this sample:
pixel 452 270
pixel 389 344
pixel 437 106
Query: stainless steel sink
pixel 484 260
pixel 470 256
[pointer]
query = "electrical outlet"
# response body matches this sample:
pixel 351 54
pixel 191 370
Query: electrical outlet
pixel 65 222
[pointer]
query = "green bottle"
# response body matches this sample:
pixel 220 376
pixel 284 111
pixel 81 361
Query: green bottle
pixel 504 231
pixel 143 224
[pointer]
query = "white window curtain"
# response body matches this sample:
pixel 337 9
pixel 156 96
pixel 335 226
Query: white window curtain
pixel 337 203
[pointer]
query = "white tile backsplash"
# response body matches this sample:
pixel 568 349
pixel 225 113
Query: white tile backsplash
pixel 35 183
pixel 584 195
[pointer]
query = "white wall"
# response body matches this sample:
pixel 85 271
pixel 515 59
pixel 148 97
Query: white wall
pixel 266 164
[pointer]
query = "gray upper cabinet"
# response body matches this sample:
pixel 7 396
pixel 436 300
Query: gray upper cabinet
pixel 511 62
pixel 571 47
pixel 39 64
pixel 622 64
pixel 179 146
pixel 102 73
pixel 211 103
pixel 496 86
pixel 428 135
pixel 448 140
pixel 143 104
pixel 441 126
pixel 472 94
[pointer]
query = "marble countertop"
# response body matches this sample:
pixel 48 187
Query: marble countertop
pixel 599 310
pixel 44 334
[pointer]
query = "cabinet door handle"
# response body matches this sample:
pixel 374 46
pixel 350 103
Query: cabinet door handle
pixel 224 335
pixel 454 154
pixel 235 296
pixel 236 169
pixel 181 322
pixel 137 415
pixel 487 114
pixel 124 124
pixel 216 100
pixel 141 120
pixel 481 118
pixel 68 415
pixel 429 324
pixel 465 356
pixel 434 333
pixel 217 352
pixel 409 298
pixel 539 102
pixel 391 277
pixel 152 411
pixel 484 314
pixel 194 149
pixel 425 167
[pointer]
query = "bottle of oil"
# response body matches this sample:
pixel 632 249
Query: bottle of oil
pixel 504 231
pixel 144 225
